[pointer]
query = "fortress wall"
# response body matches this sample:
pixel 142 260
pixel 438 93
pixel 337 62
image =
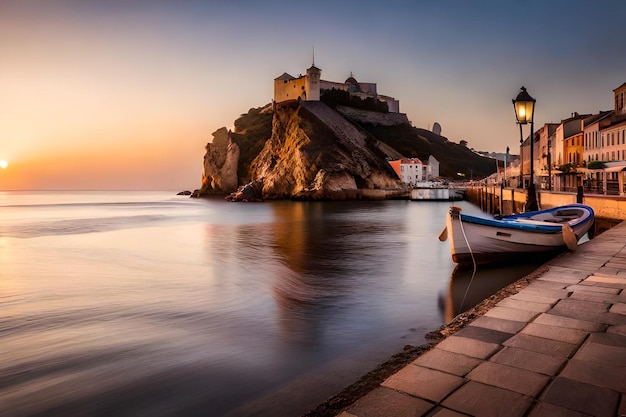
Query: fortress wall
pixel 368 88
pixel 289 90
pixel 329 85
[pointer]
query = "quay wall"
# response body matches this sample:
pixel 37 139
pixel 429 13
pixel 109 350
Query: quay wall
pixel 609 210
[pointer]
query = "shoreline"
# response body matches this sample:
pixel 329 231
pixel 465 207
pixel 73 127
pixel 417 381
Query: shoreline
pixel 368 382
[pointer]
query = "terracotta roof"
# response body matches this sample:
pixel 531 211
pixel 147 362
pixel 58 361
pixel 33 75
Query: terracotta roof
pixel 411 161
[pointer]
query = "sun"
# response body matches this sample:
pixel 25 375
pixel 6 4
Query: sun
pixel 3 164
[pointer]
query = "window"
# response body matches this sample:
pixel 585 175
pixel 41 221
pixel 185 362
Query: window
pixel 401 167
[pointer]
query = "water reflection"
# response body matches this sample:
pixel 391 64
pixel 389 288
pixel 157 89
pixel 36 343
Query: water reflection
pixel 468 288
pixel 326 253
pixel 214 308
pixel 325 250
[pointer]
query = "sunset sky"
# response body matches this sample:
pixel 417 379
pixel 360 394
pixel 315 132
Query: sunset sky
pixel 124 94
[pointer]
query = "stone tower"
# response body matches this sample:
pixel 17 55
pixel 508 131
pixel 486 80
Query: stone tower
pixel 313 75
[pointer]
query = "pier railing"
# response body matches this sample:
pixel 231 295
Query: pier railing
pixel 609 209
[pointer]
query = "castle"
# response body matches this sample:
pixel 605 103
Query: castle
pixel 309 87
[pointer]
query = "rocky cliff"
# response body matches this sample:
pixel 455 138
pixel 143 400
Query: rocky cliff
pixel 314 153
pixel 219 174
pixel 308 150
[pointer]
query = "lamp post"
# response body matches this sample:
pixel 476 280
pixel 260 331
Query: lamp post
pixel 520 184
pixel 524 106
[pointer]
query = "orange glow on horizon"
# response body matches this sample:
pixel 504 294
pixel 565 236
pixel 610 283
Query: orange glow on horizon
pixel 136 166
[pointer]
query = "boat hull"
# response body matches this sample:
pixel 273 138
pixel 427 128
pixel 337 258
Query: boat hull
pixel 480 241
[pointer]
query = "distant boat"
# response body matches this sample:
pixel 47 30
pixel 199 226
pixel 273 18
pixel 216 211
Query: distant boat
pixel 481 240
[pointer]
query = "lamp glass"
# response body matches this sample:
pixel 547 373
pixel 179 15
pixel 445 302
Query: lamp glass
pixel 524 106
pixel 524 111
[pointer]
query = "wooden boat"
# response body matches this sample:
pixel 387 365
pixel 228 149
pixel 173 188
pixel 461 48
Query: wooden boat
pixel 481 240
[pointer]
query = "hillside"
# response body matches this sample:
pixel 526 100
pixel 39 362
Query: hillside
pixel 255 127
pixel 454 158
pixel 310 150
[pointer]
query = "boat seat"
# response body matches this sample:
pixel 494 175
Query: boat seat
pixel 548 217
pixel 537 222
pixel 564 213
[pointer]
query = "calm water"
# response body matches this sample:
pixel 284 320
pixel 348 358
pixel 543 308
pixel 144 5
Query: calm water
pixel 149 304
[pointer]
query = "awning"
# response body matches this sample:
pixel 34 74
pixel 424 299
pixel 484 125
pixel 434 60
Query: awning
pixel 615 169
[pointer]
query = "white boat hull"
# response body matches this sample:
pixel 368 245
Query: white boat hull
pixel 472 242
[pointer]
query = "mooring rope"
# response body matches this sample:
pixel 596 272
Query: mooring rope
pixel 473 262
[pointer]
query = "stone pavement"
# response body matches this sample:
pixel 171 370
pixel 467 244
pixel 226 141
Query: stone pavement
pixel 556 348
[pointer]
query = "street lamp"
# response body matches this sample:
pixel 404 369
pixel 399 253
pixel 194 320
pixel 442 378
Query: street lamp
pixel 524 106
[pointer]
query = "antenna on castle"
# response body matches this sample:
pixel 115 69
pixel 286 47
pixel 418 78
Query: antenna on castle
pixel 313 55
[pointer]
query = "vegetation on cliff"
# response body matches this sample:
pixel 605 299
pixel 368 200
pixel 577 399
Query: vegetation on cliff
pixel 252 130
pixel 454 158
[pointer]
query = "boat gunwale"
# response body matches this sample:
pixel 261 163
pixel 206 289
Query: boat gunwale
pixel 511 221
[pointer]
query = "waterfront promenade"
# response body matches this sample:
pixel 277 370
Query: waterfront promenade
pixel 555 348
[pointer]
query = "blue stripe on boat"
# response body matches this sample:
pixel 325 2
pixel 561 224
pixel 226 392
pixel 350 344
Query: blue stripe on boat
pixel 510 222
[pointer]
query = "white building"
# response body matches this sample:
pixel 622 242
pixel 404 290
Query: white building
pixel 413 170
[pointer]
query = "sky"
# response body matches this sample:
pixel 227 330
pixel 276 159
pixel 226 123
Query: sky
pixel 125 94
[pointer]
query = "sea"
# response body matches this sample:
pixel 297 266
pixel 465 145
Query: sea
pixel 154 304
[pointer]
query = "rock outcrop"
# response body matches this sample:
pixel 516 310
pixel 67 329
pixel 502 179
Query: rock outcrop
pixel 315 153
pixel 253 191
pixel 220 165
pixel 308 150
